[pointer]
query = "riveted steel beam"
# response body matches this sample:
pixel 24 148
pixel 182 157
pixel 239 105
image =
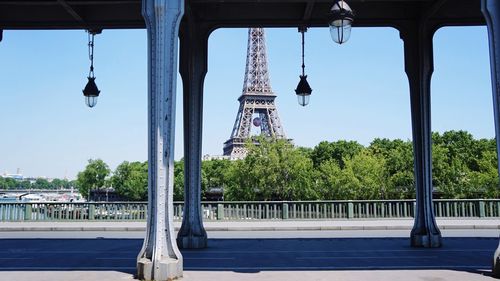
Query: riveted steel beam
pixel 160 258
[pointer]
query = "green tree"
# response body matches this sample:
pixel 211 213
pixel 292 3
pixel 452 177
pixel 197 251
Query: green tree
pixel 130 180
pixel 4 183
pixel 370 172
pixel 335 183
pixel 363 177
pixel 272 170
pixel 214 174
pixel 93 177
pixel 59 184
pixel 179 180
pixel 306 151
pixel 11 183
pixel 25 184
pixel 338 151
pixel 464 167
pixel 398 163
pixel 42 184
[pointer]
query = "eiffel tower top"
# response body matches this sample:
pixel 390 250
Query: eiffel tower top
pixel 256 73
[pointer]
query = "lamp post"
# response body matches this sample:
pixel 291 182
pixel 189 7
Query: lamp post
pixel 91 92
pixel 340 21
pixel 303 89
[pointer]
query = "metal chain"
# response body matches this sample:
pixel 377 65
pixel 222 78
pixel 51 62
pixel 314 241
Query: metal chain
pixel 303 65
pixel 91 53
pixel 302 31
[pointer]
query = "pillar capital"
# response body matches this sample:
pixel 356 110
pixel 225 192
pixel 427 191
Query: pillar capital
pixel 160 258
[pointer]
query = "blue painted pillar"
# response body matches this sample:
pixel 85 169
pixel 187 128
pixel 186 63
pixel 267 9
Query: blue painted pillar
pixel 193 68
pixel 491 12
pixel 419 65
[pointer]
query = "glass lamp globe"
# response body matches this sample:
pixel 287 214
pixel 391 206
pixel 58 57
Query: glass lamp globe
pixel 303 99
pixel 90 101
pixel 340 23
pixel 303 91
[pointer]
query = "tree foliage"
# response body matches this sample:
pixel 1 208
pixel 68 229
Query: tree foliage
pixel 463 167
pixel 179 180
pixel 93 177
pixel 272 170
pixel 130 180
pixel 40 183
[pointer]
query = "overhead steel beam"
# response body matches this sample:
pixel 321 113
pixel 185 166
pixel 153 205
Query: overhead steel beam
pixel 74 3
pixel 308 11
pixel 71 11
pixel 433 9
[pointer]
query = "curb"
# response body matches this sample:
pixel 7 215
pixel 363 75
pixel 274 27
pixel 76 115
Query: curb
pixel 263 228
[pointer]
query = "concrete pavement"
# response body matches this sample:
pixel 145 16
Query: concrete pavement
pixel 311 250
pixel 253 259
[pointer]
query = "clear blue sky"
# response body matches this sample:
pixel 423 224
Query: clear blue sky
pixel 360 92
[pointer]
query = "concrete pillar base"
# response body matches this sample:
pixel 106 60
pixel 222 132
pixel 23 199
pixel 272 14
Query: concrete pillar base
pixel 432 240
pixel 192 242
pixel 167 270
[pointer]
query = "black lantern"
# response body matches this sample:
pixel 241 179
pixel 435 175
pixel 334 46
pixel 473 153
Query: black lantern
pixel 303 90
pixel 91 92
pixel 340 21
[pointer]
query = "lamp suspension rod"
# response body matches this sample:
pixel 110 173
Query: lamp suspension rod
pixel 91 52
pixel 303 29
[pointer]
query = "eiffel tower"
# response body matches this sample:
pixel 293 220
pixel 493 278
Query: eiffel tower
pixel 257 106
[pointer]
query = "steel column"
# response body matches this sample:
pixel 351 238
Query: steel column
pixel 491 12
pixel 417 37
pixel 193 68
pixel 159 258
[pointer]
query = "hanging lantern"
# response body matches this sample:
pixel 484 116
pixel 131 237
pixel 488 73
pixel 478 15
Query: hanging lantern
pixel 91 92
pixel 340 21
pixel 303 90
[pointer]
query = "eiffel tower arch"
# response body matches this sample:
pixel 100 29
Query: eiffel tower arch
pixel 257 101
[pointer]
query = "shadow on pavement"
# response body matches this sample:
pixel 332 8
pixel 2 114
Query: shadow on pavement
pixel 253 255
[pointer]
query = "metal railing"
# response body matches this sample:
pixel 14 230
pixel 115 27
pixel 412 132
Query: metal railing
pixel 250 210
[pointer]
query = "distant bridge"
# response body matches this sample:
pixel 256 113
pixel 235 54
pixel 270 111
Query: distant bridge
pixel 24 191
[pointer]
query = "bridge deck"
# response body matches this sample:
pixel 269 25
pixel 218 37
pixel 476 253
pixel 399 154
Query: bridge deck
pixel 254 259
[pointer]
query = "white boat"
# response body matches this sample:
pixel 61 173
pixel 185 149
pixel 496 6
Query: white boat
pixel 31 198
